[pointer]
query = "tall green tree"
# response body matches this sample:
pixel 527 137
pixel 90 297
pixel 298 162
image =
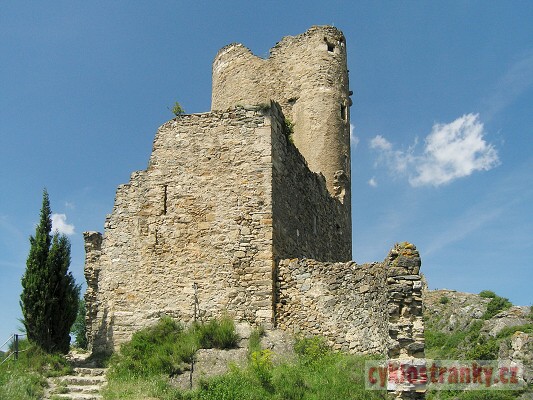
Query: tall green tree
pixel 49 298
pixel 79 329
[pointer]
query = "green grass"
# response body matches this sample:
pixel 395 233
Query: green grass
pixel 25 378
pixel 166 347
pixel 316 372
pixel 143 365
pixel 452 345
pixel 254 342
pixel 217 333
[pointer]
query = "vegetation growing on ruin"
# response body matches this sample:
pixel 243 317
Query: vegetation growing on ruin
pixel 167 346
pixel 177 109
pixel 288 129
pixel 144 365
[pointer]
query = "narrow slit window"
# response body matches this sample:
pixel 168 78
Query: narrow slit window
pixel 331 47
pixel 165 200
pixel 343 112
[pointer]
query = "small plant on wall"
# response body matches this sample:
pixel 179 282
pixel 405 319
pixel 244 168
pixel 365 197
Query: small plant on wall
pixel 177 110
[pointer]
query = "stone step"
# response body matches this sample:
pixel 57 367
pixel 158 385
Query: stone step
pixel 84 388
pixel 85 380
pixel 90 371
pixel 78 396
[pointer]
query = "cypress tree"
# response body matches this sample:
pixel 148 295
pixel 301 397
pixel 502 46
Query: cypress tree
pixel 49 298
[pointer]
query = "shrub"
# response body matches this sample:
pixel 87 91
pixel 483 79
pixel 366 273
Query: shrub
pixel 79 329
pixel 487 294
pixel 217 333
pixel 177 110
pixel 261 365
pixel 484 351
pixel 444 300
pixel 496 305
pixel 311 348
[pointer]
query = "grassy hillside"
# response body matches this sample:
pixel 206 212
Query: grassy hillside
pixel 25 379
pixel 464 326
pixel 143 367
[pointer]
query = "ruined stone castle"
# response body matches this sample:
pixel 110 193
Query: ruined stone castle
pixel 245 210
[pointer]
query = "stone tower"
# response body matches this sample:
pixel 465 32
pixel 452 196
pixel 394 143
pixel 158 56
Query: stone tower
pixel 230 193
pixel 307 75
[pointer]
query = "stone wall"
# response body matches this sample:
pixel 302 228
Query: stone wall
pixel 201 213
pixel 404 288
pixel 308 221
pixel 307 75
pixel 371 308
pixel 344 302
pixel 225 195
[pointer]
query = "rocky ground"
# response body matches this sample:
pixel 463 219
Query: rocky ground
pixel 461 318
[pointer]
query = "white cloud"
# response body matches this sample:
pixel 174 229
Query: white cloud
pixel 380 143
pixel 372 182
pixel 59 224
pixel 451 151
pixel 454 150
pixel 354 140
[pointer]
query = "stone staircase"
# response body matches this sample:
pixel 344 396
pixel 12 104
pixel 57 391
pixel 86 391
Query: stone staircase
pixel 84 384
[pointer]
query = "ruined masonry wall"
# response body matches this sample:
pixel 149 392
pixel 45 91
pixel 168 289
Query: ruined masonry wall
pixel 201 213
pixel 404 288
pixel 344 302
pixel 308 221
pixel 215 207
pixel 371 308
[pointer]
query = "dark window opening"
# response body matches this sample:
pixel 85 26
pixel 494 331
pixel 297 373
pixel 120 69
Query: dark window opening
pixel 343 112
pixel 331 47
pixel 165 200
pixel 292 100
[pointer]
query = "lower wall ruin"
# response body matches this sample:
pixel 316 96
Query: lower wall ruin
pixel 371 308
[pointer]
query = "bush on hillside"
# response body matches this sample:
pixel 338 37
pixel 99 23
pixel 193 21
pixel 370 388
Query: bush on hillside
pixel 487 294
pixel 496 305
pixel 217 333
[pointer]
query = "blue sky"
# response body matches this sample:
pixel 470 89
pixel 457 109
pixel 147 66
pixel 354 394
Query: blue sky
pixel 442 149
